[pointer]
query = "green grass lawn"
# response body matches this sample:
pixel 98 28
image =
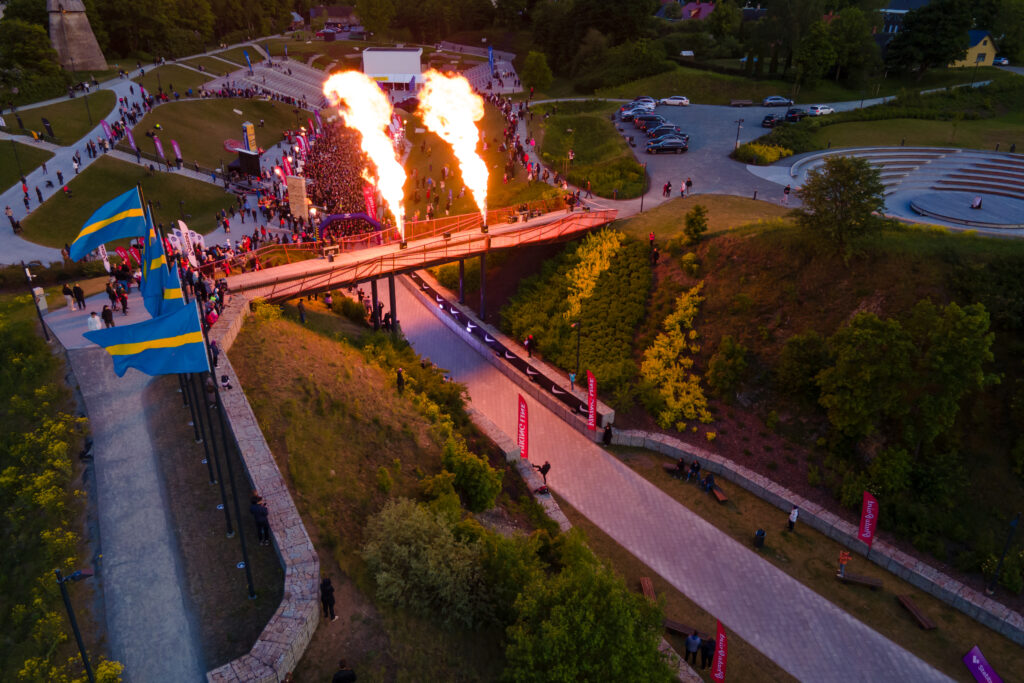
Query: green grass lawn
pixel 977 134
pixel 724 213
pixel 602 155
pixel 69 119
pixel 236 55
pixel 59 219
pixel 212 65
pixel 811 558
pixel 202 126
pixel 165 76
pixel 17 159
pixel 706 87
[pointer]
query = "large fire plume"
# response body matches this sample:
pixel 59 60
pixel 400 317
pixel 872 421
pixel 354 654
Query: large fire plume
pixel 450 108
pixel 366 108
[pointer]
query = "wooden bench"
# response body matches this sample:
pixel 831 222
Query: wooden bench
pixel 681 629
pixel 648 588
pixel 922 620
pixel 719 494
pixel 872 583
pixel 740 103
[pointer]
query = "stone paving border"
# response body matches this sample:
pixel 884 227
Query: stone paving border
pixel 983 609
pixel 284 639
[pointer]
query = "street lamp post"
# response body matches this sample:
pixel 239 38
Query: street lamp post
pixel 643 189
pixel 577 325
pixel 991 588
pixel 739 126
pixel 14 146
pixel 61 580
pixel 29 276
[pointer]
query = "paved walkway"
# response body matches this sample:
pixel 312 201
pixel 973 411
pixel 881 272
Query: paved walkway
pixel 795 627
pixel 149 622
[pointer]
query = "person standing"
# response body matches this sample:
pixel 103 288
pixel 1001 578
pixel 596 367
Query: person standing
pixel 69 300
pixel 707 652
pixel 692 645
pixel 327 598
pixel 400 380
pixel 606 438
pixel 844 559
pixel 260 515
pixel 689 186
pixel 302 312
pixel 108 316
pixel 785 195
pixel 793 514
pixel 343 674
pixel 79 296
pixel 94 322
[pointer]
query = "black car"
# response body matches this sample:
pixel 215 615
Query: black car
pixel 656 131
pixel 649 121
pixel 677 145
pixel 771 121
pixel 794 115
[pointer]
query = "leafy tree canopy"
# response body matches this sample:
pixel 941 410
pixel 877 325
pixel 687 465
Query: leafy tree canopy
pixel 932 36
pixel 840 200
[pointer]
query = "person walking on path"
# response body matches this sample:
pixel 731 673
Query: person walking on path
pixel 606 438
pixel 543 469
pixel 69 300
pixel 689 186
pixel 707 652
pixel 692 645
pixel 844 559
pixel 108 316
pixel 531 345
pixel 400 380
pixel 343 674
pixel 327 598
pixel 302 312
pixel 793 514
pixel 259 514
pixel 79 296
pixel 785 195
pixel 94 322
pixel 39 194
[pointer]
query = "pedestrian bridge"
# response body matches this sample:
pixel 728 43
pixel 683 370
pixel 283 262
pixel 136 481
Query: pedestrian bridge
pixel 468 240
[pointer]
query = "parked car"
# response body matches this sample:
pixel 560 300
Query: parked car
pixel 629 114
pixel 678 146
pixel 820 110
pixel 771 120
pixel 776 101
pixel 645 120
pixel 645 98
pixel 676 101
pixel 323 33
pixel 670 136
pixel 636 104
pixel 1000 61
pixel 655 131
pixel 794 115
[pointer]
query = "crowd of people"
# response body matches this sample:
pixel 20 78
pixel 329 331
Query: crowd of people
pixel 334 167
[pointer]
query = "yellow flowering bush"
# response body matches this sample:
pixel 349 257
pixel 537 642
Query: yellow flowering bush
pixel 595 254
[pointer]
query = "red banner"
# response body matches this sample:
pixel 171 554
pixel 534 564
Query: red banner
pixel 868 519
pixel 134 251
pixel 287 165
pixel 370 196
pixel 523 430
pixel 721 653
pixel 123 253
pixel 591 401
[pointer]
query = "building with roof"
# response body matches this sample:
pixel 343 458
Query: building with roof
pixel 395 68
pixel 981 50
pixel 687 10
pixel 335 16
pixel 749 13
pixel 892 16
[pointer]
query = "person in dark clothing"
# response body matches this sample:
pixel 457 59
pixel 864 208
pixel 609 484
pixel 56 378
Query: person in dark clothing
pixel 707 652
pixel 692 645
pixel 327 598
pixel 400 380
pixel 259 514
pixel 302 312
pixel 531 345
pixel 108 316
pixel 606 438
pixel 543 469
pixel 344 674
pixel 79 296
pixel 215 351
pixel 709 483
pixel 694 472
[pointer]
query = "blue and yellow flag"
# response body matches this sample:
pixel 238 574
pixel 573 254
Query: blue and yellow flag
pixel 154 274
pixel 173 297
pixel 166 345
pixel 119 218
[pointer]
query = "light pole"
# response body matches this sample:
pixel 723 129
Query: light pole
pixel 29 276
pixel 991 588
pixel 643 189
pixel 61 580
pixel 577 327
pixel 14 146
pixel 739 126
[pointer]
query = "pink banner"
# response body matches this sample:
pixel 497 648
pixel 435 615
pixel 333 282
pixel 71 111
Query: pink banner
pixel 177 150
pixel 591 401
pixel 159 147
pixel 868 519
pixel 134 252
pixel 370 197
pixel 721 653
pixel 312 128
pixel 123 253
pixel 287 165
pixel 131 138
pixel 106 129
pixel 523 430
pixel 319 121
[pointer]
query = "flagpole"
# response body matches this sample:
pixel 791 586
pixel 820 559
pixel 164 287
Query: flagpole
pixel 191 406
pixel 216 461
pixel 196 397
pixel 227 460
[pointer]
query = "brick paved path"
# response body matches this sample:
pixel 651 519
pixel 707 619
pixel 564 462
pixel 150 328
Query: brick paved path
pixel 805 634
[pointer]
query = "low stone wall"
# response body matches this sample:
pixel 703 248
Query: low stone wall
pixel 976 605
pixel 284 639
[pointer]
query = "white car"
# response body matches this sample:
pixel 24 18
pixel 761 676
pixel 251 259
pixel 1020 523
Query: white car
pixel 820 110
pixel 675 101
pixel 1000 61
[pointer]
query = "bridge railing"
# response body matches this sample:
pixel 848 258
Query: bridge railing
pixel 425 254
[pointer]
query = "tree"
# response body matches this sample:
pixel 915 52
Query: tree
pixel 815 54
pixel 536 73
pixel 592 53
pixel 840 201
pixel 724 20
pixel 583 624
pixel 865 384
pixel 1011 22
pixel 932 36
pixel 696 224
pixel 803 357
pixel 31 11
pixel 856 50
pixel 727 367
pixel 376 15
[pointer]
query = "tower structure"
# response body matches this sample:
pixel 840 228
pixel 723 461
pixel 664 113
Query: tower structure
pixel 72 36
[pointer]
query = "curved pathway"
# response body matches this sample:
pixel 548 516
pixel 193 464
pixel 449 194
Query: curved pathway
pixel 805 634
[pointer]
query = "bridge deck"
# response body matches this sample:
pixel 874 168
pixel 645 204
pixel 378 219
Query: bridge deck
pixel 317 275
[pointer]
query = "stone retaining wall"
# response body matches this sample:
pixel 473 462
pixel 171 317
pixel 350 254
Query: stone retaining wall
pixel 976 605
pixel 284 639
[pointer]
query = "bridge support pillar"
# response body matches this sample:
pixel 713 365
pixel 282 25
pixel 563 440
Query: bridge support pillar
pixel 462 280
pixel 483 285
pixel 373 300
pixel 394 310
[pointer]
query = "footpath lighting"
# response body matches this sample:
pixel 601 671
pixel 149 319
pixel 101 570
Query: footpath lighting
pixel 61 580
pixel 739 126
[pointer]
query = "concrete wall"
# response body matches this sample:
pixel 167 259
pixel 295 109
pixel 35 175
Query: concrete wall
pixel 72 37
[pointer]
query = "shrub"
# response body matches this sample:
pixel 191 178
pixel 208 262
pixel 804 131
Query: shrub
pixel 476 481
pixel 760 154
pixel 690 264
pixel 418 564
pixel 348 308
pixel 803 357
pixel 595 254
pixel 384 481
pixel 727 366
pixel 448 275
pixel 696 223
pixel 263 311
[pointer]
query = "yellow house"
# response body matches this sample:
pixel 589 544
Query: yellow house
pixel 981 50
